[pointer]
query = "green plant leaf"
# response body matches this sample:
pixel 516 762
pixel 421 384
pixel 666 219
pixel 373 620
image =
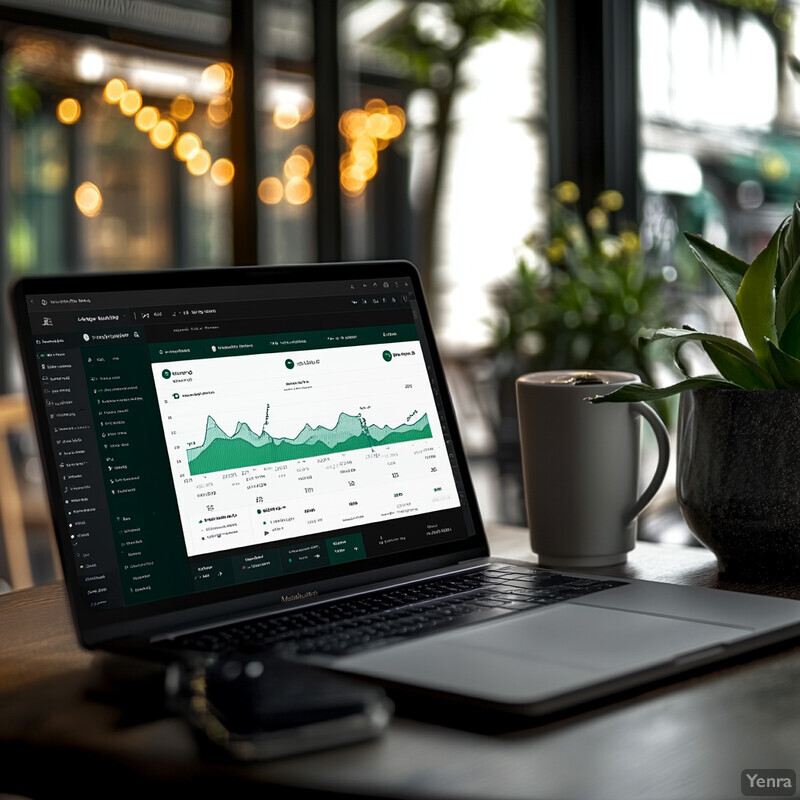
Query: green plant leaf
pixel 635 392
pixel 789 250
pixel 735 361
pixel 727 270
pixel 719 344
pixel 755 300
pixel 788 365
pixel 686 333
pixel 789 340
pixel 737 370
pixel 788 303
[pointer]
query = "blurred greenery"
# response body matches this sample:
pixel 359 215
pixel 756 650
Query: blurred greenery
pixel 21 97
pixel 581 296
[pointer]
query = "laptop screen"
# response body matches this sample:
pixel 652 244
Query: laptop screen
pixel 214 435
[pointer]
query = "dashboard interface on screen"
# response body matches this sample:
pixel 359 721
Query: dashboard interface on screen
pixel 210 438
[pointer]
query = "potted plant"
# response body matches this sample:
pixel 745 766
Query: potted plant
pixel 738 468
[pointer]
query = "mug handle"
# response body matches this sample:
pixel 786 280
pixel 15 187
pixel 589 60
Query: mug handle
pixel 662 439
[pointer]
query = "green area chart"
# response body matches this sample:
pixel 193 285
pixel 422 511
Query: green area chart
pixel 248 449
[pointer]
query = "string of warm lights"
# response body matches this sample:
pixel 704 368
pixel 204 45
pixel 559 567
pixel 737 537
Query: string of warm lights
pixel 295 187
pixel 366 131
pixel 163 128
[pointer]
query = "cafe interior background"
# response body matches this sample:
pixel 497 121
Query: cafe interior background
pixel 538 161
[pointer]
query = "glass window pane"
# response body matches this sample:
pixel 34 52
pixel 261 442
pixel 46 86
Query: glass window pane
pixel 718 155
pixel 285 101
pixel 205 22
pixel 462 184
pixel 120 156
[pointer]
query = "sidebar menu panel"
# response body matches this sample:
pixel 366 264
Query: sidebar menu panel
pixel 135 473
pixel 113 473
pixel 80 478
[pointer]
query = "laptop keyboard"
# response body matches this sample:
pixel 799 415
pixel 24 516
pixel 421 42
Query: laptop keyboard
pixel 347 626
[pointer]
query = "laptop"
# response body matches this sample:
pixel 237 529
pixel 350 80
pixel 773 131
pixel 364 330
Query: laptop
pixel 264 457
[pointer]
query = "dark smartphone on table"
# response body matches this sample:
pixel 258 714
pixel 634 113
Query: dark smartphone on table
pixel 258 708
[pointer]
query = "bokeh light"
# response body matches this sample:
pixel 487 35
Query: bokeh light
pixel 88 199
pixel 298 191
pixel 270 191
pixel 367 132
pixel 219 111
pixel 215 78
pixel 187 146
pixel 397 122
pixel 375 105
pixel 352 181
pixel 353 123
pixel 228 70
pixel 163 134
pixel 114 90
pixel 306 152
pixel 364 152
pixel 68 111
pixel 286 116
pixel 378 125
pixel 182 107
pixel 222 171
pixel 200 163
pixel 147 118
pixel 296 166
pixel 130 102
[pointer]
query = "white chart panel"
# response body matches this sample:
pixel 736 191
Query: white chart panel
pixel 268 447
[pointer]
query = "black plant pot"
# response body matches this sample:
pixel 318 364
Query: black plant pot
pixel 738 479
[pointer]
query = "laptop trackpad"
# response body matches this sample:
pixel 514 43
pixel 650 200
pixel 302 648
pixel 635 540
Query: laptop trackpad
pixel 533 656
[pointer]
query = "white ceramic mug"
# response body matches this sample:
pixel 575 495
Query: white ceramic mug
pixel 580 464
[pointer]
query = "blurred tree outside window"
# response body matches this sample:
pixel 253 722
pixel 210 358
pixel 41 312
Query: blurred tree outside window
pixel 468 76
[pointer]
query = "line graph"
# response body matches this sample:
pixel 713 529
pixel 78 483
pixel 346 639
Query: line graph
pixel 244 448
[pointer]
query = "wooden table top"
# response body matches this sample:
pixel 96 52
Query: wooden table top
pixel 59 721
